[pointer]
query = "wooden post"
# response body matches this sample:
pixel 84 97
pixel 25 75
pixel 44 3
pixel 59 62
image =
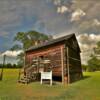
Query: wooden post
pixel 81 67
pixel 19 75
pixel 1 77
pixel 37 67
pixel 62 64
pixel 38 64
pixel 24 59
pixel 68 71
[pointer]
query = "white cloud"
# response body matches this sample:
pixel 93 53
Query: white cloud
pixel 87 42
pixel 89 26
pixel 96 22
pixel 40 14
pixel 90 6
pixel 11 53
pixel 62 9
pixel 77 15
pixel 57 2
pixel 89 39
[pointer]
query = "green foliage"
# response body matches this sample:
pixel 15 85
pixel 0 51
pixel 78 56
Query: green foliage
pixel 98 44
pixel 26 40
pixel 93 63
pixel 20 58
pixel 97 48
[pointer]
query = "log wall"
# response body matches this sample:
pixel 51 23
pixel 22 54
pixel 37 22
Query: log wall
pixel 52 53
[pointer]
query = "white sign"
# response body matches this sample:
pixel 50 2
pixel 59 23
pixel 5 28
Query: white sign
pixel 46 75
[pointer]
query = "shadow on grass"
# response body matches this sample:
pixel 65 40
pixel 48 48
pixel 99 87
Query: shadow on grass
pixel 85 77
pixel 81 79
pixel 53 83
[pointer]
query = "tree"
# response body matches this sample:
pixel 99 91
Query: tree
pixel 36 38
pixel 93 63
pixel 25 40
pixel 20 58
pixel 97 48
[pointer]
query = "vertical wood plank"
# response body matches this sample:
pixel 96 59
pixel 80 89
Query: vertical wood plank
pixel 62 63
pixel 68 71
pixel 38 64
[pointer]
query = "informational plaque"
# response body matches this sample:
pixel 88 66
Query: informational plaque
pixel 46 75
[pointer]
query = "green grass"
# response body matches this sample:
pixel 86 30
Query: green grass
pixel 86 89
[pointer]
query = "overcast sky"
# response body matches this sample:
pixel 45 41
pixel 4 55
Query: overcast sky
pixel 50 17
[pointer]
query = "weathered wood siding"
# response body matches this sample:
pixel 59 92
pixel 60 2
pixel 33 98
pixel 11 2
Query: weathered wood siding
pixel 54 55
pixel 75 70
pixel 64 59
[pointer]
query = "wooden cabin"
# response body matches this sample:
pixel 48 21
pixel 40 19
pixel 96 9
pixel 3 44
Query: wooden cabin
pixel 61 55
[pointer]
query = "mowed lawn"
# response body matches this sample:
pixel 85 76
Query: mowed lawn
pixel 86 89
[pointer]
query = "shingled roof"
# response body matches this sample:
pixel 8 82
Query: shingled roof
pixel 51 42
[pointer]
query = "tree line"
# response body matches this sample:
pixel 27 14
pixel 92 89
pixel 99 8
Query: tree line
pixel 93 63
pixel 9 65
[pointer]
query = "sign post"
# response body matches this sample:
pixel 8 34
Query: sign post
pixel 46 75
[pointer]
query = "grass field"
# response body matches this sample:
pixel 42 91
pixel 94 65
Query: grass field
pixel 86 89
